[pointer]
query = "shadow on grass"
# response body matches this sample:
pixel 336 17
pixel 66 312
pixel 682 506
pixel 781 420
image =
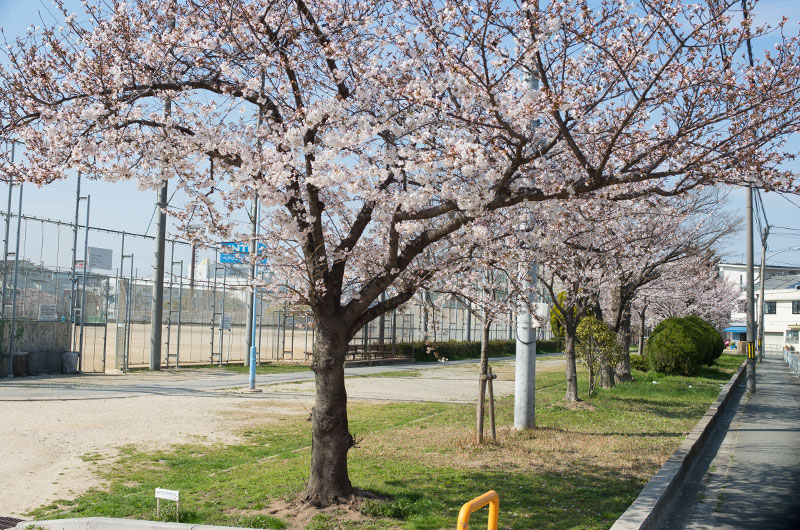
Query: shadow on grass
pixel 431 498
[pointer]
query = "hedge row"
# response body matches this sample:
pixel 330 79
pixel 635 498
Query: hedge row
pixel 683 345
pixel 455 350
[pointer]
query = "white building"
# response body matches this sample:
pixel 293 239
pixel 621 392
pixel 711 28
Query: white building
pixel 782 311
pixel 737 273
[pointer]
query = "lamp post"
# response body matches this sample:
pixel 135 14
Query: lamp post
pixel 254 266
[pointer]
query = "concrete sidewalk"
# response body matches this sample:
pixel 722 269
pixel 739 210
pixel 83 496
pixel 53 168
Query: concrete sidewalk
pixel 753 480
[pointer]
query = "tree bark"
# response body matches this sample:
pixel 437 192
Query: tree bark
pixel 329 482
pixel 623 369
pixel 606 375
pixel 642 315
pixel 572 371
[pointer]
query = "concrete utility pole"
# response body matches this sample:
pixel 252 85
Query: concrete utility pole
pixel 525 366
pixel 158 278
pixel 751 317
pixel 525 351
pixel 762 302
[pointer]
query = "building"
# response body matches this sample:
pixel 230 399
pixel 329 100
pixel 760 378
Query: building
pixel 737 272
pixel 782 311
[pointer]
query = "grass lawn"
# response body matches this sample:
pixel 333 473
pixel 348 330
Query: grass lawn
pixel 581 467
pixel 263 368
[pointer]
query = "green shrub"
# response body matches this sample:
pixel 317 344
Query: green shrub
pixel 676 346
pixel 717 345
pixel 702 337
pixel 456 350
pixel 554 345
pixel 638 362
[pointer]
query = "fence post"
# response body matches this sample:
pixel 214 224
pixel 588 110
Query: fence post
pixel 14 292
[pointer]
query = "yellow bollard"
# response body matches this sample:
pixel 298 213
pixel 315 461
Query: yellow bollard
pixel 492 499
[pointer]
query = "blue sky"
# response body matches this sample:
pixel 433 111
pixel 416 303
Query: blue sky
pixel 122 206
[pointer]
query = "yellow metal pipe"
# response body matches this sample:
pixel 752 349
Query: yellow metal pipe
pixel 492 499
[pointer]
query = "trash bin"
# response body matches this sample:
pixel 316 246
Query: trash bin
pixel 69 362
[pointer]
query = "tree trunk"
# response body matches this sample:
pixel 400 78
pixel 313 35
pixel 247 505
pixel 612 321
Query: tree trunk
pixel 623 368
pixel 572 372
pixel 482 373
pixel 642 315
pixel 606 375
pixel 329 482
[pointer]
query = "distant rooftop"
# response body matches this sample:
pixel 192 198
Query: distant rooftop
pixel 782 281
pixel 783 267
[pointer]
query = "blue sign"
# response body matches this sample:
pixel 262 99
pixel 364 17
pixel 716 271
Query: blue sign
pixel 240 252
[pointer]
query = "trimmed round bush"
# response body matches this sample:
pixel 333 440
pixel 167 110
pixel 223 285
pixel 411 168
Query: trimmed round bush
pixel 703 337
pixel 676 346
pixel 717 344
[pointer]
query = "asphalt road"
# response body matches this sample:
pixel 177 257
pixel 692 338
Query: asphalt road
pixel 749 475
pixel 171 382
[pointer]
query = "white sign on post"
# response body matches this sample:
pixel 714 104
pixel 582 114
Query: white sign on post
pixel 168 495
pixel 100 258
pixel 226 322
pixel 47 313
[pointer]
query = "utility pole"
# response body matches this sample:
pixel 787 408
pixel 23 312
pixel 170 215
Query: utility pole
pixel 762 302
pixel 751 320
pixel 157 315
pixel 525 351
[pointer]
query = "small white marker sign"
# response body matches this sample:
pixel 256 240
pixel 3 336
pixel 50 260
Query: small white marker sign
pixel 167 495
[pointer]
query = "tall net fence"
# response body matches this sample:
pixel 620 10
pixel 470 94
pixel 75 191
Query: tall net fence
pixel 101 280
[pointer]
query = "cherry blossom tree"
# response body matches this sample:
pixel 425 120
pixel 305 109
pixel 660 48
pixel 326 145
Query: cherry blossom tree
pixel 376 132
pixel 660 236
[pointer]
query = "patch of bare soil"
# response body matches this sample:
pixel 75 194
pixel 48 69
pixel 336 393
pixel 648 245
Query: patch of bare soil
pixel 57 449
pixel 299 515
pixel 572 405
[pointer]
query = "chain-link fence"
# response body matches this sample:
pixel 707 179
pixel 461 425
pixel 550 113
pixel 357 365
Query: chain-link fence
pixel 102 281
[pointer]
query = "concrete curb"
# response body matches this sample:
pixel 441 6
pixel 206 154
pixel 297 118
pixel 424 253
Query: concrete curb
pixel 653 501
pixel 111 523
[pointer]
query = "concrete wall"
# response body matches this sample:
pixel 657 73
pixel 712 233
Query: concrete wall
pixel 45 341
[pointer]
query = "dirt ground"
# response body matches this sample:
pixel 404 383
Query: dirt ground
pixel 50 448
pixel 195 344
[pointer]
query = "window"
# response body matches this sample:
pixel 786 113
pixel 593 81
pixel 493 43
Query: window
pixel 796 308
pixel 792 336
pixel 769 308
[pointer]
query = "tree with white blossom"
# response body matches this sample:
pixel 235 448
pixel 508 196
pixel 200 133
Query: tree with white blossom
pixel 389 129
